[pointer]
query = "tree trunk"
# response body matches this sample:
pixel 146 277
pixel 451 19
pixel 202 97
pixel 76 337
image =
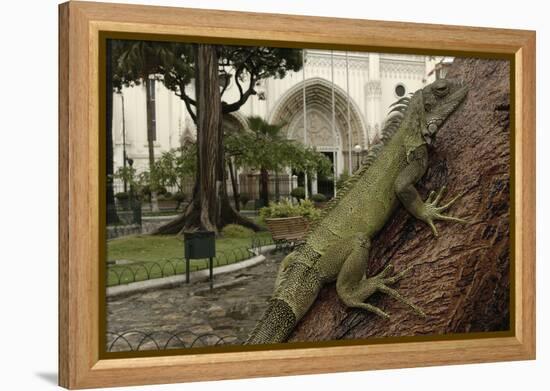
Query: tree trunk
pixel 462 279
pixel 277 191
pixel 234 185
pixel 210 208
pixel 151 136
pixel 112 216
pixel 264 186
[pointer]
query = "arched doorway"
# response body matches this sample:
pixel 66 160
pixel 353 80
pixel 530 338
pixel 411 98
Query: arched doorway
pixel 328 128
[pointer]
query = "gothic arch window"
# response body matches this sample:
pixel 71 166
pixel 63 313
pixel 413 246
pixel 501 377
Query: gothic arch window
pixel 319 97
pixel 400 90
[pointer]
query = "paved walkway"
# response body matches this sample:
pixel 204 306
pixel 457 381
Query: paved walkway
pixel 192 315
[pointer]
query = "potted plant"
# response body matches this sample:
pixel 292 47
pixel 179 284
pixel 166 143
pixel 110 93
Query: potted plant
pixel 166 200
pixel 244 198
pixel 123 200
pixel 289 222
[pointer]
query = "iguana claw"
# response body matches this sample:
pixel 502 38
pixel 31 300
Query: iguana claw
pixel 384 280
pixel 433 212
pixel 380 283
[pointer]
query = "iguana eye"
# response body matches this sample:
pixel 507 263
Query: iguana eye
pixel 441 90
pixel 427 106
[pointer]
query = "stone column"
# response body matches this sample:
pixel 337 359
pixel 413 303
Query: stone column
pixel 314 185
pixel 373 98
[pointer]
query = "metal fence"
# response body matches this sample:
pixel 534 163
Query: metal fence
pixel 119 274
pixel 134 340
pixel 250 186
pixel 187 187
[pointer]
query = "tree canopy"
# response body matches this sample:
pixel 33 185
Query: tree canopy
pixel 243 66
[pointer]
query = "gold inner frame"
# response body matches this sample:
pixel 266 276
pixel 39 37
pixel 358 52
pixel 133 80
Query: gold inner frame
pixel 105 35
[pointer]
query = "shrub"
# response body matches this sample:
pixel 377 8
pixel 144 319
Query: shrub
pixel 165 196
pixel 318 197
pixel 161 190
pixel 122 196
pixel 146 197
pixel 299 193
pixel 236 231
pixel 308 210
pixel 279 209
pixel 285 208
pixel 179 196
pixel 244 198
pixel 146 191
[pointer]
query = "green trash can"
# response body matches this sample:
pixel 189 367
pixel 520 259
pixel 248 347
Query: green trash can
pixel 200 245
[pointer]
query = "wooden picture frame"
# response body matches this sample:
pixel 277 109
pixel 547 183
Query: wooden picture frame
pixel 82 23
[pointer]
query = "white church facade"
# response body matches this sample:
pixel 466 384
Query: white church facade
pixel 341 98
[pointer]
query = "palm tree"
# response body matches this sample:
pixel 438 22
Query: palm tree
pixel 268 132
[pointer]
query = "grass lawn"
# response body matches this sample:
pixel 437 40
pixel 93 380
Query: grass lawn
pixel 161 256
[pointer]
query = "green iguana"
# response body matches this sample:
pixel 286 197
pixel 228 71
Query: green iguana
pixel 337 245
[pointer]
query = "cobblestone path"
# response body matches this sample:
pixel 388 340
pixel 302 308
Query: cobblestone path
pixel 192 315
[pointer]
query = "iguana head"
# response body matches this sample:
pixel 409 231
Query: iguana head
pixel 440 99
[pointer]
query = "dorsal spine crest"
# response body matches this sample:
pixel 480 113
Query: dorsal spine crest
pixel 393 121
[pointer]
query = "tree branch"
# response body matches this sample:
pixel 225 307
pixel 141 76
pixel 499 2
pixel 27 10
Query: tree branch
pixel 231 107
pixel 225 83
pixel 188 103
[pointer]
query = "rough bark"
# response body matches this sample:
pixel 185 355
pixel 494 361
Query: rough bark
pixel 234 185
pixel 264 189
pixel 461 280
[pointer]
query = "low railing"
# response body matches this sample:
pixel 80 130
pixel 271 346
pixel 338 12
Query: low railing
pixel 135 340
pixel 118 274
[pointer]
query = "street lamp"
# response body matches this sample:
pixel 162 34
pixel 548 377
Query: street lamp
pixel 357 149
pixel 130 163
pixel 124 156
pixel 135 204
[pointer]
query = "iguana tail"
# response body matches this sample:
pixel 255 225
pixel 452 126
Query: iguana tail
pixel 296 288
pixel 275 325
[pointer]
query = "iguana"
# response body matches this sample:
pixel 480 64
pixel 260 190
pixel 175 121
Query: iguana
pixel 337 245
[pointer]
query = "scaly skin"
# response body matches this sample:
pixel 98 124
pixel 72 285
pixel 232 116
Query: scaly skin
pixel 337 248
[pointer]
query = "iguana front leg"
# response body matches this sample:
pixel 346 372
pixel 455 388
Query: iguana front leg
pixel 352 286
pixel 427 211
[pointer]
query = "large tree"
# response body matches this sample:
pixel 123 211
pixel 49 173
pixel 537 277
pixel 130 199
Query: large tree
pixel 214 68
